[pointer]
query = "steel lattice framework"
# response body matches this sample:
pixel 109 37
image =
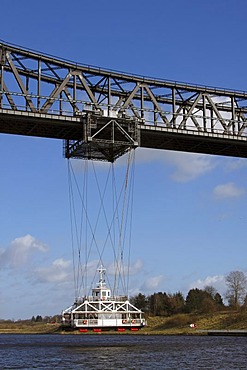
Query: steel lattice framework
pixel 100 113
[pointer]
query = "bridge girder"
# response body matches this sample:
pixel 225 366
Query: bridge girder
pixel 102 113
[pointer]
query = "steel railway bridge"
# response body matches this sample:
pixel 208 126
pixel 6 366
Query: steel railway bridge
pixel 100 114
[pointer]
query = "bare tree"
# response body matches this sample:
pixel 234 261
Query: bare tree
pixel 237 284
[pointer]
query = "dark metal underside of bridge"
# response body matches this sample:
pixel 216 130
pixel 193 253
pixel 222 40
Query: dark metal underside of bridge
pixel 149 138
pixel 101 114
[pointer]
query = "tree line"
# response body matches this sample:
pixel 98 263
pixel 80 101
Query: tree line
pixel 205 300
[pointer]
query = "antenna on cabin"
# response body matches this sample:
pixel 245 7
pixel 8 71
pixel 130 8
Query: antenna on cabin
pixel 101 282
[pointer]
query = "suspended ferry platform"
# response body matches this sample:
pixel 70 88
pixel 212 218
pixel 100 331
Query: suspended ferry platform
pixel 103 311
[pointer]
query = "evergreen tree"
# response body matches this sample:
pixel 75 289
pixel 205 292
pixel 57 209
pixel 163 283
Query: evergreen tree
pixel 140 301
pixel 199 300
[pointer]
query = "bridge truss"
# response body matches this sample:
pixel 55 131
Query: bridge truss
pixel 100 114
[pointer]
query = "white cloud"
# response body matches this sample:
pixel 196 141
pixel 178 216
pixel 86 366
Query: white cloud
pixel 152 283
pixel 18 253
pixel 132 269
pixel 135 267
pixel 217 281
pixel 187 166
pixel 59 271
pixel 235 164
pixel 229 190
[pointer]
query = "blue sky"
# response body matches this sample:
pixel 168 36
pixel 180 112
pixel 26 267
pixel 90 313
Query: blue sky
pixel 189 227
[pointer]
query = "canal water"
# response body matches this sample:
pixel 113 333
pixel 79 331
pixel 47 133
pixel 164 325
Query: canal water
pixel 105 351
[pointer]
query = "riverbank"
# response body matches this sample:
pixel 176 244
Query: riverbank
pixel 187 324
pixel 181 324
pixel 28 328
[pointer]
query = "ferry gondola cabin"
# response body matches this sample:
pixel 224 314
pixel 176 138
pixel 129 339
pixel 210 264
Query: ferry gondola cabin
pixel 101 310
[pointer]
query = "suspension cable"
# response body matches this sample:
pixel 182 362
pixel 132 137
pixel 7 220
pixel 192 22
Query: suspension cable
pixel 116 226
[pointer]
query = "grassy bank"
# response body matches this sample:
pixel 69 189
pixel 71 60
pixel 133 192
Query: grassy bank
pixel 176 324
pixel 20 327
pixel 180 324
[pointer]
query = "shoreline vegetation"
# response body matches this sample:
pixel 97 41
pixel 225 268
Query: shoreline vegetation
pixel 180 324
